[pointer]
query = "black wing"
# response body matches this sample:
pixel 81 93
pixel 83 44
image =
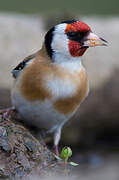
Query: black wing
pixel 21 65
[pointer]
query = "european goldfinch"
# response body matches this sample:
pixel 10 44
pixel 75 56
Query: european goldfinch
pixel 51 84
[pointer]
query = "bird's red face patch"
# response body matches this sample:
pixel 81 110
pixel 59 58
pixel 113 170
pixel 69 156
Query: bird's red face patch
pixel 75 48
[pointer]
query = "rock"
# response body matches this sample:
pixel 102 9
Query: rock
pixel 21 154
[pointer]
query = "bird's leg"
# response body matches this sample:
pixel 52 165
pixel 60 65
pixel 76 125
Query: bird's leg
pixel 57 136
pixel 7 112
pixel 56 150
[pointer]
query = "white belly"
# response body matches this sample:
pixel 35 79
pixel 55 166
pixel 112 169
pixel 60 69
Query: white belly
pixel 40 114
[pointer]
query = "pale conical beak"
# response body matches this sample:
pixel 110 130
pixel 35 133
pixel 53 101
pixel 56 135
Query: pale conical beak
pixel 92 40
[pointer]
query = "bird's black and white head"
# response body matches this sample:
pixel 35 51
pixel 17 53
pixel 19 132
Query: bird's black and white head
pixel 69 40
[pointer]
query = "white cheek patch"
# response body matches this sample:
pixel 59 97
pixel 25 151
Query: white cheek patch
pixel 60 40
pixel 60 43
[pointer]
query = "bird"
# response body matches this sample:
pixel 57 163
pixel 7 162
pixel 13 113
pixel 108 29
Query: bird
pixel 50 84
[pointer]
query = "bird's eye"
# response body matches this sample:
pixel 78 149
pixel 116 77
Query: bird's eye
pixel 71 34
pixel 81 35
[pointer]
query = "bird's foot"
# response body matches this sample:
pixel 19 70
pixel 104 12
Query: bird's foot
pixel 7 113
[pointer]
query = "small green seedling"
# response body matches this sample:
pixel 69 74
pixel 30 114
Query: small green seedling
pixel 66 153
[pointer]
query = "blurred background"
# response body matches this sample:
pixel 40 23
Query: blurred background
pixel 93 133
